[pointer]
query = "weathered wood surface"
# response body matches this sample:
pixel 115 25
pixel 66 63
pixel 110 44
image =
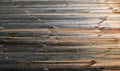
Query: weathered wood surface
pixel 60 35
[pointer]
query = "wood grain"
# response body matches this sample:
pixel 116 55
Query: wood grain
pixel 59 35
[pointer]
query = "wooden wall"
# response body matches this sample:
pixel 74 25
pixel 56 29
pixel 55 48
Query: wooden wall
pixel 60 35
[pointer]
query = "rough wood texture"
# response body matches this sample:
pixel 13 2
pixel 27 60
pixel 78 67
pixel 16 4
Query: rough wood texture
pixel 59 35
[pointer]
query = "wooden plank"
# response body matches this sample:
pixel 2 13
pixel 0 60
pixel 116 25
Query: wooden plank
pixel 78 65
pixel 64 30
pixel 61 32
pixel 67 24
pixel 59 5
pixel 108 49
pixel 54 2
pixel 56 8
pixel 51 56
pixel 59 2
pixel 57 40
pixel 51 11
pixel 66 14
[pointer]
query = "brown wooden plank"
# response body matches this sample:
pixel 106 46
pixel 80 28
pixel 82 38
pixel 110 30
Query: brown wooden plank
pixel 57 40
pixel 62 30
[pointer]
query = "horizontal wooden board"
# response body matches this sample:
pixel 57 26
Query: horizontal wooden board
pixel 59 35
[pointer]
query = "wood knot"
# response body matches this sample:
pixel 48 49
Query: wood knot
pixel 92 62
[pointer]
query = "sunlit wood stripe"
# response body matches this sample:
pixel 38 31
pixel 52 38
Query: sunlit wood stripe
pixel 107 63
pixel 63 30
